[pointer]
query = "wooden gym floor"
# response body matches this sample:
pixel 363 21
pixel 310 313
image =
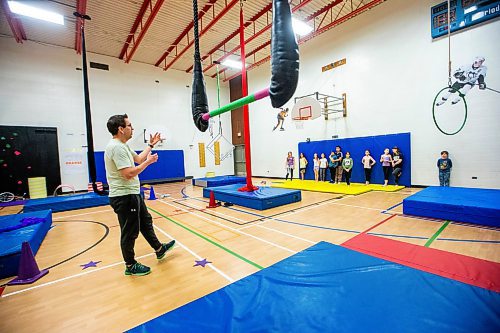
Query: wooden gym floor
pixel 238 242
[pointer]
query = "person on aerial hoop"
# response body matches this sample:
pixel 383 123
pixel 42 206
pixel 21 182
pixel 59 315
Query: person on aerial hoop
pixel 467 77
pixel 281 118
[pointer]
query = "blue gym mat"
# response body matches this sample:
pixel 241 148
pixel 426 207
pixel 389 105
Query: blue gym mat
pixel 263 198
pixel 328 288
pixel 13 234
pixel 219 181
pixel 70 202
pixel 472 205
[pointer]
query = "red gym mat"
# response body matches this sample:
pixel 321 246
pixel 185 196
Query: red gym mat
pixel 477 272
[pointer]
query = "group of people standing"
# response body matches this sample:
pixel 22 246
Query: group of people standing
pixel 341 165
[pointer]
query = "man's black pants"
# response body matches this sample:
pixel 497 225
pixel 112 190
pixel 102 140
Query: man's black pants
pixel 133 216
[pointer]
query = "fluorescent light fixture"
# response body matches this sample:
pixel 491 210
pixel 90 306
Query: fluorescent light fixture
pixel 232 63
pixel 30 11
pixel 470 9
pixel 300 28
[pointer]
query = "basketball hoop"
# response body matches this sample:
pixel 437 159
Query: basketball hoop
pixel 306 108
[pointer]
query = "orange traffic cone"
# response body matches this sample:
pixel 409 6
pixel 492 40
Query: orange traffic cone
pixel 212 203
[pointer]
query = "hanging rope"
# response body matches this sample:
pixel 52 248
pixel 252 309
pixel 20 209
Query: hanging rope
pixel 449 87
pixel 199 101
pixel 88 113
pixel 449 44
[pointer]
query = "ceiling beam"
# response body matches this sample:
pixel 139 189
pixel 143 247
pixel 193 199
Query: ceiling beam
pixel 203 31
pixel 143 27
pixel 14 23
pixel 255 35
pixel 317 32
pixel 134 28
pixel 81 7
pixel 185 32
pixel 233 35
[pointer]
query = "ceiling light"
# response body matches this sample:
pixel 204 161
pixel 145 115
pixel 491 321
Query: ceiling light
pixel 300 28
pixel 233 63
pixel 30 11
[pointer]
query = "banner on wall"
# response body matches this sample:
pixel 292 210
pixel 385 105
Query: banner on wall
pixel 73 163
pixel 463 14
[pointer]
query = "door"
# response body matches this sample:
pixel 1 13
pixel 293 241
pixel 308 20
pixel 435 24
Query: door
pixel 27 152
pixel 239 160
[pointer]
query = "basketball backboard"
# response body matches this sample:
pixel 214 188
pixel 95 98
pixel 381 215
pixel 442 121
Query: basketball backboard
pixel 306 108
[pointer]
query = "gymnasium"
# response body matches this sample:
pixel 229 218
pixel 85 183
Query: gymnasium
pixel 249 166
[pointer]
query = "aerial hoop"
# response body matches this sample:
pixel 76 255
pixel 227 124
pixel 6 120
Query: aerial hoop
pixel 434 111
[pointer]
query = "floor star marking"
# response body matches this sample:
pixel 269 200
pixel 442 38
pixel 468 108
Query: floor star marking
pixel 90 264
pixel 202 263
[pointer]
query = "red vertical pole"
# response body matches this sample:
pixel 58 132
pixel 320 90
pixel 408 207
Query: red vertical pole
pixel 244 92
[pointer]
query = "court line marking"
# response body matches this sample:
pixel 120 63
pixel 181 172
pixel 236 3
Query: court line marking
pixel 234 229
pixel 177 243
pixel 87 213
pixel 286 234
pixel 212 266
pixel 248 261
pixel 71 277
pixel 436 234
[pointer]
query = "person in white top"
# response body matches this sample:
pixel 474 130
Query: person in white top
pixel 316 167
pixel 368 162
pixel 323 163
pixel 302 165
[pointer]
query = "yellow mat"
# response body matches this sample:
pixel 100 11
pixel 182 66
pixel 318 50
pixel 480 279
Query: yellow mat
pixel 342 188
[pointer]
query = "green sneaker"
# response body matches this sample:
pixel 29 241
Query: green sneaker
pixel 165 247
pixel 137 269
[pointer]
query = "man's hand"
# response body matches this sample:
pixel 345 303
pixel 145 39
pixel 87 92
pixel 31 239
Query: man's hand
pixel 154 139
pixel 152 158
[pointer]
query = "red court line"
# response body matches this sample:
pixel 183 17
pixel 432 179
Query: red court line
pixel 470 270
pixel 376 225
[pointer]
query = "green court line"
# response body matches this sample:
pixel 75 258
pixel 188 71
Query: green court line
pixel 209 240
pixel 433 238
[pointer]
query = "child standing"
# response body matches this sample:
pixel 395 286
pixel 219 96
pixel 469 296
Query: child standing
pixel 368 162
pixel 290 165
pixel 338 158
pixel 397 164
pixel 347 166
pixel 323 163
pixel 332 166
pixel 302 165
pixel 386 160
pixel 316 166
pixel 444 165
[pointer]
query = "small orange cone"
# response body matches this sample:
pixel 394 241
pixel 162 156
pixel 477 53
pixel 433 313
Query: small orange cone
pixel 212 203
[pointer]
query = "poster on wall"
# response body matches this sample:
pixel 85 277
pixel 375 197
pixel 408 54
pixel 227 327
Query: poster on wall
pixel 463 14
pixel 73 163
pixel 468 89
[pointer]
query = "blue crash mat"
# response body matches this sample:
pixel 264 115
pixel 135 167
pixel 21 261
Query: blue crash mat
pixel 218 181
pixel 472 205
pixel 263 198
pixel 11 241
pixel 69 202
pixel 328 288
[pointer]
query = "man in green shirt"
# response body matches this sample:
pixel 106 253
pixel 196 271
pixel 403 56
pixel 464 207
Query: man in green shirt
pixel 124 192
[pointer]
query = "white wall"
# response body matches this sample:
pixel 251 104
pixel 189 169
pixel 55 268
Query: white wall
pixel 394 69
pixel 39 86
